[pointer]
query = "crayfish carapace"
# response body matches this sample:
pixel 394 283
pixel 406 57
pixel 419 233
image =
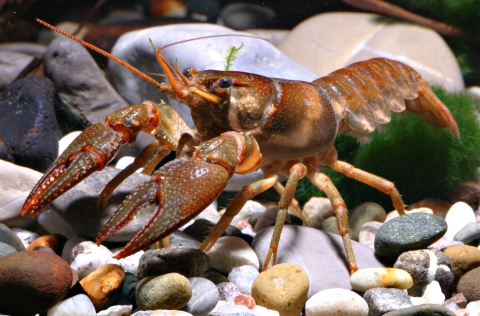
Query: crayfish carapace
pixel 295 124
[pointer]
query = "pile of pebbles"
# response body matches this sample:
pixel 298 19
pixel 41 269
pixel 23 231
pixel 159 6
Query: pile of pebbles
pixel 421 263
pixel 424 261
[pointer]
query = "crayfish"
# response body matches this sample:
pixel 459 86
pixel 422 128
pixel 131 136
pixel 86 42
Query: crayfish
pixel 243 122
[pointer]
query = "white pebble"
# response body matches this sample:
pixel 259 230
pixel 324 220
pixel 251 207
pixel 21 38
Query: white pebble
pixel 225 307
pixel 473 308
pixel 316 210
pixel 78 305
pixel 248 210
pixel 458 216
pixel 365 279
pixel 230 252
pixel 67 249
pixel 243 277
pixel 112 309
pixel 125 161
pixel 130 263
pixel 66 140
pixel 336 302
pixel 366 235
pixel 87 257
pixel 394 214
pixel 54 224
pixel 432 295
pixel 27 237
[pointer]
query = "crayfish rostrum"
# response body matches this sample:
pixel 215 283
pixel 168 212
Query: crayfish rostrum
pixel 243 122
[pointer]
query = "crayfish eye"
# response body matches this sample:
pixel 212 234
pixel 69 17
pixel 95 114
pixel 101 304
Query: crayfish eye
pixel 225 83
pixel 189 71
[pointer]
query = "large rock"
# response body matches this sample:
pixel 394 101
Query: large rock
pixel 87 94
pixel 16 184
pixel 321 254
pixel 329 41
pixel 28 125
pixel 32 281
pixel 256 56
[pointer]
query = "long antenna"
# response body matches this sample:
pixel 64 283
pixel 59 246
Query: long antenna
pixel 104 53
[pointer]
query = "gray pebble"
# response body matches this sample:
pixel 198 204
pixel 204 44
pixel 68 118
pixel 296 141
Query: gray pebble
pixel 409 232
pixel 6 249
pixel 362 213
pixel 10 238
pixel 126 293
pixel 185 261
pixel 422 310
pixel 468 233
pixel 383 300
pixel 204 297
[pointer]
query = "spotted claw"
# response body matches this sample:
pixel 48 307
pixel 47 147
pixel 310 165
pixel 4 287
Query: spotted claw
pixel 183 188
pixel 89 152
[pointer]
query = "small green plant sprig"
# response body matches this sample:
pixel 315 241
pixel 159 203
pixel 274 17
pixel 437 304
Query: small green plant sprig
pixel 231 55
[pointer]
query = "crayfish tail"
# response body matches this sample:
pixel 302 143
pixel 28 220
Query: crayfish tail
pixel 433 110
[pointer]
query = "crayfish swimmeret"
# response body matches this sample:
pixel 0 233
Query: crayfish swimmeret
pixel 243 122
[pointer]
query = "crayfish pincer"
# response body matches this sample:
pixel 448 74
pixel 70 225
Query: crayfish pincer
pixel 278 125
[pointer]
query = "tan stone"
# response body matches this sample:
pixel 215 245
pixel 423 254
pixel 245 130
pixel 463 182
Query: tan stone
pixel 463 258
pixel 329 41
pixel 365 279
pixel 283 288
pixel 102 282
pixel 54 242
pixel 168 291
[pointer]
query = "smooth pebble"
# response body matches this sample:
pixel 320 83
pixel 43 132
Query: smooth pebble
pixel 243 277
pixel 230 252
pixel 365 279
pixel 336 302
pixel 78 305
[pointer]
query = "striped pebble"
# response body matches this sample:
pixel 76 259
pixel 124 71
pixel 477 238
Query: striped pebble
pixel 365 279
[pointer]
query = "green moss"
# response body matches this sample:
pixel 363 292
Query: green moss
pixel 422 160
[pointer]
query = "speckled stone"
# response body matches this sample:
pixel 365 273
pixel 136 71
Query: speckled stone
pixel 409 232
pixel 46 278
pixel 422 310
pixel 363 213
pixel 186 261
pixel 227 291
pixel 382 300
pixel 168 291
pixel 283 287
pixel 102 283
pixel 463 259
pixel 426 266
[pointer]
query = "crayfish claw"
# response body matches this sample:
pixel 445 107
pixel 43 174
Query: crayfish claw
pixel 180 190
pixel 89 152
pixel 142 197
